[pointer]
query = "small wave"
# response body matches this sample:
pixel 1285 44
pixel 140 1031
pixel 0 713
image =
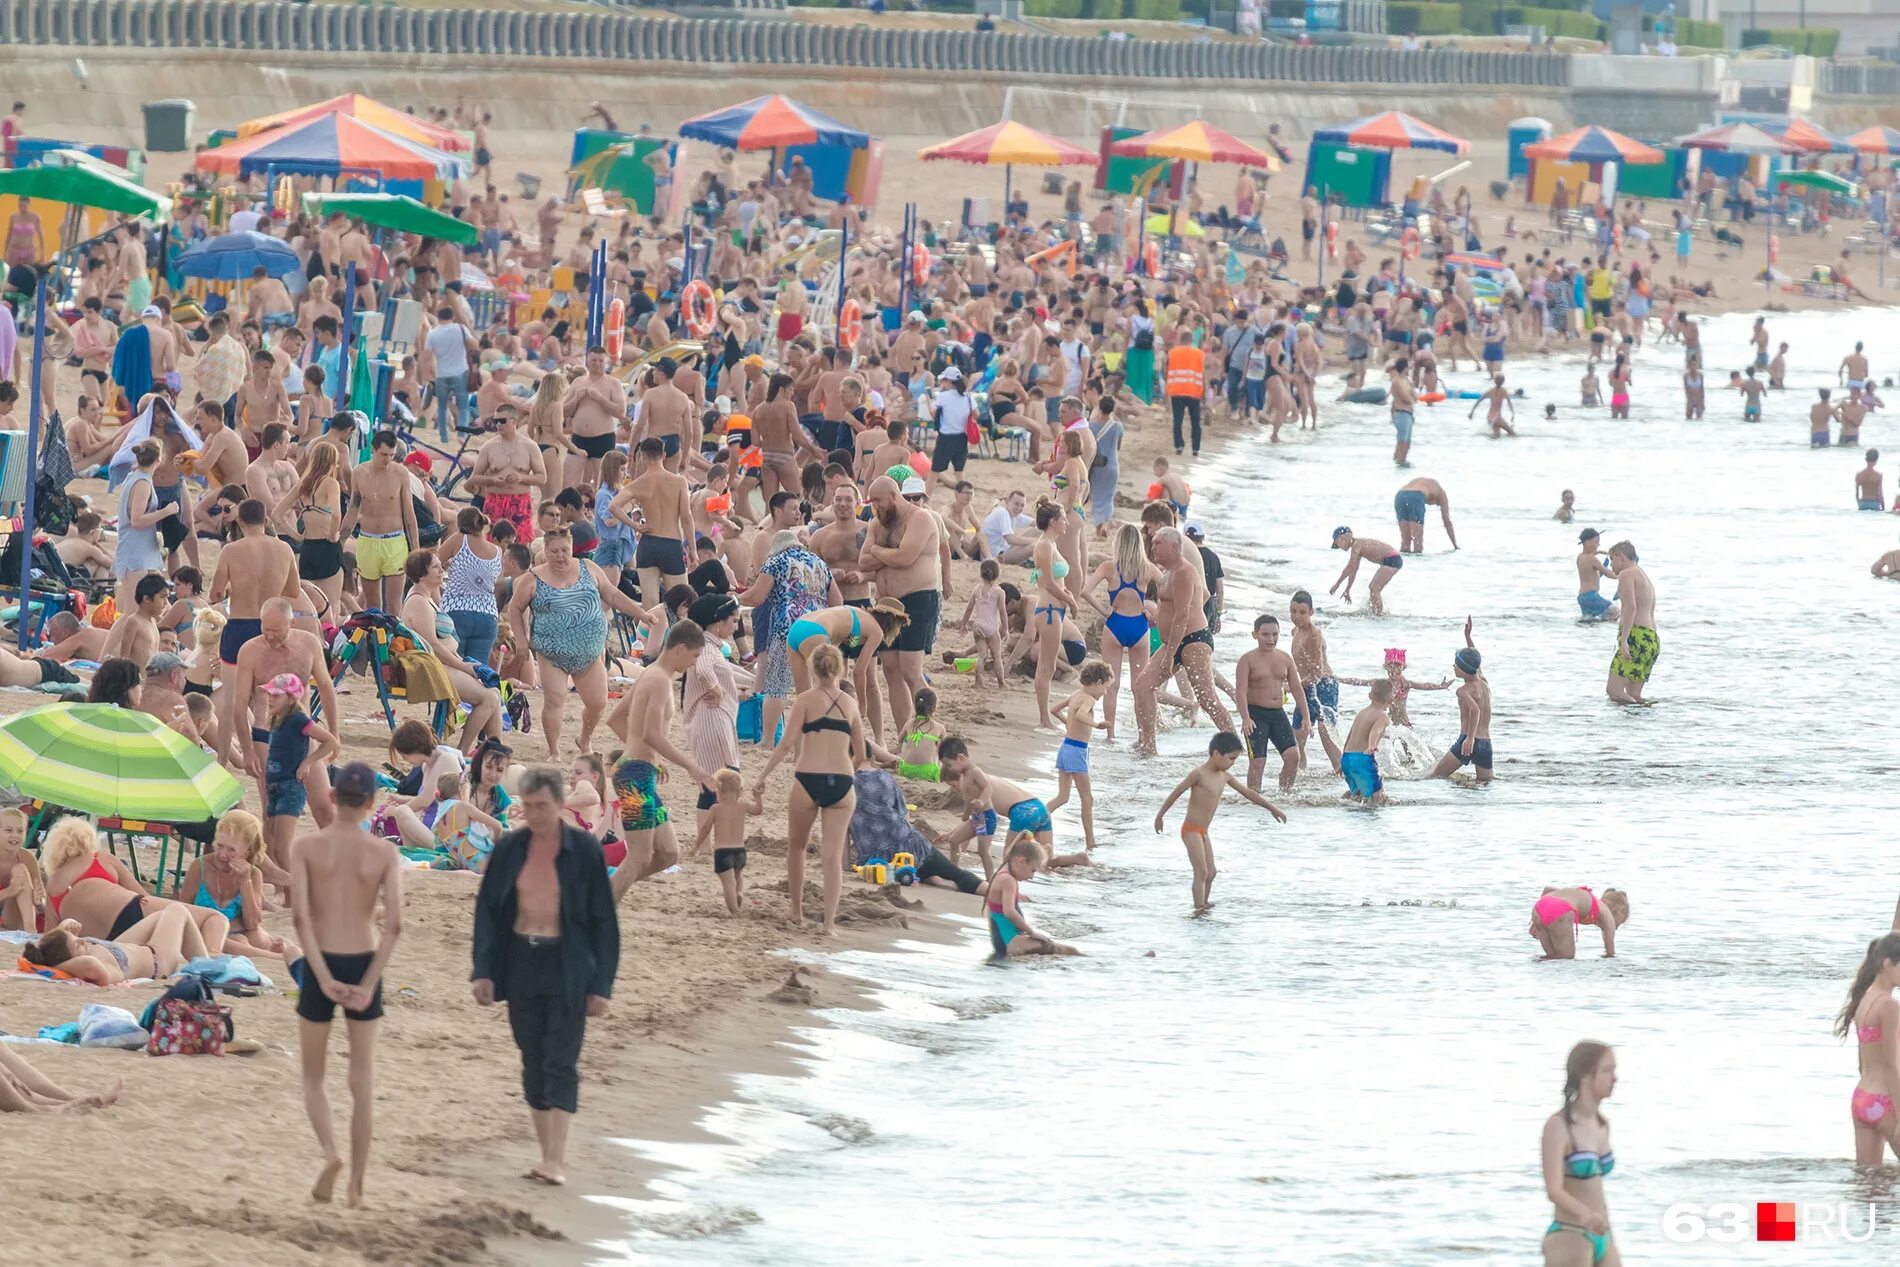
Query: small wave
pixel 976 1009
pixel 845 1128
pixel 697 1222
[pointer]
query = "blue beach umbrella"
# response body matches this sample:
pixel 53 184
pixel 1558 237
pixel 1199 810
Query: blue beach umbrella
pixel 233 257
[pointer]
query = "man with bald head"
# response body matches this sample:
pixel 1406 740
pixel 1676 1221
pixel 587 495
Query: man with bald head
pixel 902 554
pixel 278 648
pixel 1186 641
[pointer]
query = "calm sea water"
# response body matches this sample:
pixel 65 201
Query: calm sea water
pixel 1311 1074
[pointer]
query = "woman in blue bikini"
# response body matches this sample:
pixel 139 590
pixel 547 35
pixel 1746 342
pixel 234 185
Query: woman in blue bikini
pixel 1054 602
pixel 1125 616
pixel 1576 1157
pixel 856 631
pixel 227 879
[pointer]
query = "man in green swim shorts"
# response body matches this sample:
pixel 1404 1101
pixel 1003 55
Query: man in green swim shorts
pixel 643 817
pixel 1637 644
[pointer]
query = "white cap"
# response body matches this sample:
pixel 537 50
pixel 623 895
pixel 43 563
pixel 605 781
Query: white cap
pixel 951 374
pixel 877 400
pixel 723 404
pixel 915 487
pixel 151 310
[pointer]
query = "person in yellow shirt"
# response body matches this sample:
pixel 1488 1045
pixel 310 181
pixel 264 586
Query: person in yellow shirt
pixel 1602 287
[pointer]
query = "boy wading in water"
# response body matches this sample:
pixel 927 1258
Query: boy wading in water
pixel 1264 680
pixel 338 875
pixel 1473 745
pixel 1204 784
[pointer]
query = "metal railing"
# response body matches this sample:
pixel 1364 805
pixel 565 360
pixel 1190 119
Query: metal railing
pixel 1860 79
pixel 269 26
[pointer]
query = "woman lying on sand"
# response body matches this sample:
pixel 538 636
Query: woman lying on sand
pixel 24 1089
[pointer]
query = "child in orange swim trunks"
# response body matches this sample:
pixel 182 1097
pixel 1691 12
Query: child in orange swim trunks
pixel 1204 784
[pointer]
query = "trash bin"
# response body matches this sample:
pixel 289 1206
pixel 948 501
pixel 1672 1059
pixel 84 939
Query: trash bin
pixel 168 125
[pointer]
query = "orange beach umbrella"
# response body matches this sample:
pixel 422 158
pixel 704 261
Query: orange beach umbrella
pixel 1197 142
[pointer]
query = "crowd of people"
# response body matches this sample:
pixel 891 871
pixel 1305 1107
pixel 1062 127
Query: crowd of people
pixel 764 523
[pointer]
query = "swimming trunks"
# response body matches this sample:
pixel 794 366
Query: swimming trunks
pixel 637 784
pixel 379 554
pixel 1393 561
pixel 314 1005
pixel 1203 636
pixel 1361 773
pixel 1751 413
pixel 667 554
pixel 925 608
pixel 1409 505
pixel 601 445
pixel 1322 702
pixel 1868 503
pixel 1636 658
pixel 1072 757
pixel 515 508
pixel 318 560
pixel 1270 727
pixel 237 632
pixel 1593 605
pixel 1030 816
pixel 1479 754
pixel 732 859
pixel 983 823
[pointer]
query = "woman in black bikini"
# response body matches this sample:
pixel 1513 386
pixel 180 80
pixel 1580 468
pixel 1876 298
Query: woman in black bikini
pixel 317 506
pixel 100 895
pixel 826 735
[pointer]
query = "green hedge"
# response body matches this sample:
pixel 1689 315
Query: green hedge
pixel 1416 17
pixel 1053 8
pixel 1559 23
pixel 1158 10
pixel 1814 41
pixel 1693 33
pixel 1478 17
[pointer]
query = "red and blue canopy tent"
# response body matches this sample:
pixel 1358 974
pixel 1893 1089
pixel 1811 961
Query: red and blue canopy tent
pixel 771 123
pixel 1595 146
pixel 1393 130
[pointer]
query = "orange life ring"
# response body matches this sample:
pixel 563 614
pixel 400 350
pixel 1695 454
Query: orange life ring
pixel 1409 244
pixel 1332 239
pixel 1431 398
pixel 919 265
pixel 850 324
pixel 696 305
pixel 614 330
pixel 1151 257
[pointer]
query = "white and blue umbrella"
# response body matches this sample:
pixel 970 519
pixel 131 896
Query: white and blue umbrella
pixel 233 257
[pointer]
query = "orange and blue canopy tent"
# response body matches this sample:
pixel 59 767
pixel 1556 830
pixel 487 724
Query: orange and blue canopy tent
pixel 1393 130
pixel 1006 145
pixel 1594 146
pixel 1197 142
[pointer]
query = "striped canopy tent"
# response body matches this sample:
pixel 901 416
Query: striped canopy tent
pixel 1197 142
pixel 1876 140
pixel 771 123
pixel 370 111
pixel 1007 145
pixel 1393 130
pixel 1737 138
pixel 101 759
pixel 333 145
pixel 1807 138
pixel 1594 146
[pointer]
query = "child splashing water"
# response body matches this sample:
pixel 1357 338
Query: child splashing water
pixel 1407 747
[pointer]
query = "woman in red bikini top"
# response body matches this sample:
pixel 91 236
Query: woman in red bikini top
pixel 100 893
pixel 1555 917
pixel 1872 1015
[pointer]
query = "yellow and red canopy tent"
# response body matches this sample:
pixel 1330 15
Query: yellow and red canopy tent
pixel 370 111
pixel 1009 144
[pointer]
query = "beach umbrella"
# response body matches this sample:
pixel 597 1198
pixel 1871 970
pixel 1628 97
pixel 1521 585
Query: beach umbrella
pixel 1826 182
pixel 771 123
pixel 1594 145
pixel 233 257
pixel 394 211
pixel 101 759
pixel 333 145
pixel 370 111
pixel 1806 137
pixel 1475 262
pixel 1196 142
pixel 1876 140
pixel 85 186
pixel 1737 138
pixel 1008 145
pixel 1393 130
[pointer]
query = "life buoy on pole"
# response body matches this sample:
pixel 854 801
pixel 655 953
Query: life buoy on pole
pixel 1151 258
pixel 1332 239
pixel 1409 244
pixel 696 305
pixel 850 324
pixel 920 265
pixel 614 330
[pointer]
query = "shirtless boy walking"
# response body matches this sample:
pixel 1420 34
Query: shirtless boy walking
pixel 1264 679
pixel 1204 785
pixel 340 874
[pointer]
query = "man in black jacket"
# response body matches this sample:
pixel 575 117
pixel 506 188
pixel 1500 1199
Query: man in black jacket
pixel 548 944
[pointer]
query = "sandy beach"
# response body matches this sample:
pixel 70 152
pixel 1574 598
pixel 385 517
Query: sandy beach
pixel 211 1160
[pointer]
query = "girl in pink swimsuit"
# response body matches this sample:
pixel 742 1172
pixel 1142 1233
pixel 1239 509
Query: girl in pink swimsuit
pixel 1555 917
pixel 1872 1015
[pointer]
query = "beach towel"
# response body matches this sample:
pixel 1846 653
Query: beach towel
pixel 132 361
pixel 141 429
pixel 223 970
pixel 102 1025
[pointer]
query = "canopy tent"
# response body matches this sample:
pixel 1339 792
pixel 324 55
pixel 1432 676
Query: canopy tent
pixel 1007 144
pixel 771 123
pixel 333 145
pixel 1808 138
pixel 1737 138
pixel 1392 130
pixel 84 186
pixel 234 257
pixel 370 111
pixel 1876 140
pixel 1196 142
pixel 1594 145
pixel 394 211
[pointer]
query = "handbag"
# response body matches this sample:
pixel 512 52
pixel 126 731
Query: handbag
pixel 183 1028
pixel 750 723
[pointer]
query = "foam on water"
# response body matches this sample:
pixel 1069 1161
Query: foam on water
pixel 1310 1074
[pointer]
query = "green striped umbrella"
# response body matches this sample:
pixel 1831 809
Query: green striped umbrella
pixel 101 759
